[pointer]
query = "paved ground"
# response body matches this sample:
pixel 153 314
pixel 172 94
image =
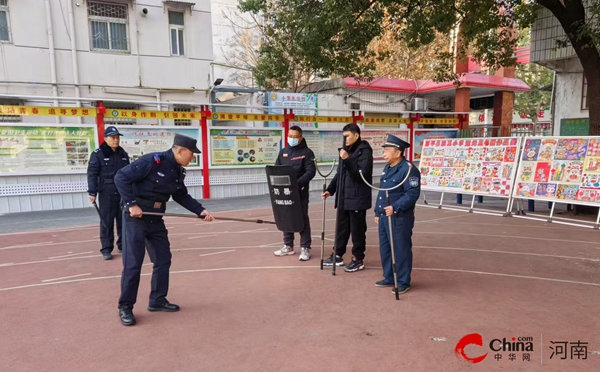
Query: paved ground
pixel 244 309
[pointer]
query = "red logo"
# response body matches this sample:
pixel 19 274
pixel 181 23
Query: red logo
pixel 472 339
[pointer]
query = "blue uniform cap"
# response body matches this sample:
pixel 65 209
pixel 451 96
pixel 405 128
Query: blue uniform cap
pixel 393 141
pixel 111 131
pixel 187 142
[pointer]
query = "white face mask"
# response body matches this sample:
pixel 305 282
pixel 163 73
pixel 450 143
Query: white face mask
pixel 293 142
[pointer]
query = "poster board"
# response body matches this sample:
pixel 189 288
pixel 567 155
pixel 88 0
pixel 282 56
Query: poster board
pixel 34 149
pixel 143 139
pixel 560 169
pixel 301 103
pixel 420 135
pixel 474 166
pixel 237 147
pixel 325 143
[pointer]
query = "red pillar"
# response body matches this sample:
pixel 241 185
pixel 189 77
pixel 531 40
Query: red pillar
pixel 503 112
pixel 204 115
pixel 288 115
pixel 357 117
pixel 411 134
pixel 100 111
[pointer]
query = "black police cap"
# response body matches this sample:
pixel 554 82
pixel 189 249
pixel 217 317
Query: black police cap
pixel 393 141
pixel 111 131
pixel 187 142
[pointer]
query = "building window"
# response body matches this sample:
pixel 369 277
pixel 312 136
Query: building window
pixel 10 118
pixel 108 26
pixel 115 107
pixel 182 122
pixel 584 95
pixel 176 29
pixel 4 25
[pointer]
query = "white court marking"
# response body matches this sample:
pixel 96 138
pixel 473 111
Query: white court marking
pixel 65 277
pixel 70 255
pixel 212 254
pixel 44 245
pixel 202 236
pixel 506 237
pixel 509 252
pixel 300 267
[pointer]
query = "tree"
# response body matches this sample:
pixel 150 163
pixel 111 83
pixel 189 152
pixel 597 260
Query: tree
pixel 538 78
pixel 242 48
pixel 395 60
pixel 332 35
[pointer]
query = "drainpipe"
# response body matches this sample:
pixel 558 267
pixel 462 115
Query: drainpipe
pixel 74 54
pixel 158 105
pixel 553 107
pixel 50 33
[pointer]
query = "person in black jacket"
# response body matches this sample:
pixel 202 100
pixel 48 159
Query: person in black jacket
pixel 355 198
pixel 104 163
pixel 301 158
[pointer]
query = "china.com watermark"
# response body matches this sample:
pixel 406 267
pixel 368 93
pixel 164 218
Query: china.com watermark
pixel 516 348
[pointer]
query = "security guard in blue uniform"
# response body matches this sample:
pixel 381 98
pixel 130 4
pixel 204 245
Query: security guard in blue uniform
pixel 402 211
pixel 145 186
pixel 102 167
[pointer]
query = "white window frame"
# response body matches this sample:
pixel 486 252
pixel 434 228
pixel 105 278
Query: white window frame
pixel 177 28
pixel 108 21
pixel 4 8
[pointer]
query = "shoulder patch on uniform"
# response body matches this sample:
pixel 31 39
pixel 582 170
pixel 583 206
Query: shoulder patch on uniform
pixel 285 155
pixel 157 158
pixel 413 181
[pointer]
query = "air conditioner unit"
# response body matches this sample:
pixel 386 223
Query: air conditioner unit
pixel 418 104
pixel 355 106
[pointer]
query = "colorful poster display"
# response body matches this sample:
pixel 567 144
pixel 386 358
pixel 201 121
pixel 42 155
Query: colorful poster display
pixel 421 135
pixel 243 147
pixel 563 169
pixel 45 149
pixel 139 140
pixel 476 166
pixel 325 144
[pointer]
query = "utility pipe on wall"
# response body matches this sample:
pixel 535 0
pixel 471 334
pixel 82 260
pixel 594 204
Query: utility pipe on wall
pixel 74 53
pixel 50 33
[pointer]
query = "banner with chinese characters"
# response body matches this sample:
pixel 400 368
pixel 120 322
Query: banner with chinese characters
pixel 428 134
pixel 140 140
pixel 232 116
pixel 325 144
pixel 243 147
pixel 151 114
pixel 563 169
pixel 386 120
pixel 47 111
pixel 301 103
pixel 28 149
pixel 476 166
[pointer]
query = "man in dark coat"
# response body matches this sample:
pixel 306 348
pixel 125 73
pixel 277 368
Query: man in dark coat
pixel 302 159
pixel 354 199
pixel 104 163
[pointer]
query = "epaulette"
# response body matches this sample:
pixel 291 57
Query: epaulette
pixel 98 149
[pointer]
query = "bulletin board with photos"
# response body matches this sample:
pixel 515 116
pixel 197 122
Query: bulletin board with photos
pixel 562 169
pixel 476 166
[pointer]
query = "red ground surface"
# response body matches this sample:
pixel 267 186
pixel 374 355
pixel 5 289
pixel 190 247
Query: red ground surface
pixel 243 309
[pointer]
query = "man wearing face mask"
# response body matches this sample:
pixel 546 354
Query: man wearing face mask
pixel 102 167
pixel 301 158
pixel 355 199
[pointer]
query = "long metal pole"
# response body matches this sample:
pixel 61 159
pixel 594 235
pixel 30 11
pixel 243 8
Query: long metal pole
pixel 202 217
pixel 324 201
pixel 340 175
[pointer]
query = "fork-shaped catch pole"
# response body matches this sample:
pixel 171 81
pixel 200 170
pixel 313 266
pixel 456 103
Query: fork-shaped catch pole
pixel 387 200
pixel 324 201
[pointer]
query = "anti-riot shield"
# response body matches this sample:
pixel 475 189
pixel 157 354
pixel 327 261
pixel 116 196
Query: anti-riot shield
pixel 285 198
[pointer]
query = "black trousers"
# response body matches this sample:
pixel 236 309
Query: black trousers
pixel 110 210
pixel 351 223
pixel 141 234
pixel 305 237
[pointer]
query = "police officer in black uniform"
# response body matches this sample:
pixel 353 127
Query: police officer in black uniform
pixel 145 186
pixel 402 209
pixel 102 167
pixel 302 159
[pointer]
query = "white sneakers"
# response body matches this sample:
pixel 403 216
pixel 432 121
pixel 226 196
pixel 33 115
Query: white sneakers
pixel 305 254
pixel 287 250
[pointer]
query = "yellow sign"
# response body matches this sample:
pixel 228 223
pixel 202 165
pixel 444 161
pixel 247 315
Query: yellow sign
pixel 47 111
pixel 150 114
pixel 439 121
pixel 386 120
pixel 322 119
pixel 225 116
